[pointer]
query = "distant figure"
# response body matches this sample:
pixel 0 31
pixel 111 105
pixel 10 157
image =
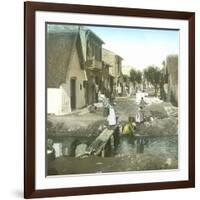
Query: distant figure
pixel 112 96
pixel 112 116
pixel 100 96
pixel 126 91
pixel 129 128
pixel 96 87
pixel 142 103
pixel 139 118
pixel 119 90
pixel 105 102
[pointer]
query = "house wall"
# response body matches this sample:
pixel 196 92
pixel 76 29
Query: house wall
pixel 79 74
pixel 94 71
pixel 172 68
pixel 59 100
pixel 106 80
pixel 90 87
pixel 54 100
pixel 112 69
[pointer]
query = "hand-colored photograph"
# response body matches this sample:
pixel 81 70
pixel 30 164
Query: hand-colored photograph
pixel 111 99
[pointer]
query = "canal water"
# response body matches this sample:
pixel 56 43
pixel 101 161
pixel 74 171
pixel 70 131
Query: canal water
pixel 156 153
pixel 167 145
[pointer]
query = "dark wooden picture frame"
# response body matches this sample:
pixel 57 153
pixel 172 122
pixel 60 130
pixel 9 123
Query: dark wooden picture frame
pixel 30 9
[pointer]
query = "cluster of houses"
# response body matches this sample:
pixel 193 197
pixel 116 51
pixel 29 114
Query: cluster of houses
pixel 78 68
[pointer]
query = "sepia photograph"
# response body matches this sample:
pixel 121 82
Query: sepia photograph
pixel 112 99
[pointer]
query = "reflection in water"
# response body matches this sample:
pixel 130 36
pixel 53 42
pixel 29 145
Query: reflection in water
pixel 157 153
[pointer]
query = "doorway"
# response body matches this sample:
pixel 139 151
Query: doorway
pixel 73 93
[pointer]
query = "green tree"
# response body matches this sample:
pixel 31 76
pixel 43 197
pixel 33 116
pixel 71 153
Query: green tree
pixel 135 77
pixel 153 75
pixel 139 77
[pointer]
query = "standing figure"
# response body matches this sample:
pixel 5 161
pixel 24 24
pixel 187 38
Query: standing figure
pixel 127 91
pixel 119 90
pixel 105 102
pixel 112 116
pixel 96 89
pixel 139 117
pixel 142 103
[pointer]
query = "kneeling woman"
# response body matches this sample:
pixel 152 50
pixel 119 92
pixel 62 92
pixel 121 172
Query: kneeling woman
pixel 128 130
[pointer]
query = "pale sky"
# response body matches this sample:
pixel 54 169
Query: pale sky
pixel 139 47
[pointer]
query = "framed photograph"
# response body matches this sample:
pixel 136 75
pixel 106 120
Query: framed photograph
pixel 109 99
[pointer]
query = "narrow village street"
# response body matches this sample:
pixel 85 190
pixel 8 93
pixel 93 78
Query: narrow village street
pixel 82 127
pixel 109 110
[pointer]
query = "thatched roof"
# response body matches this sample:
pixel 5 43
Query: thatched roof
pixel 60 47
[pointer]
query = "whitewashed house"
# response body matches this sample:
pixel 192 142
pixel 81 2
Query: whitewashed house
pixel 65 72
